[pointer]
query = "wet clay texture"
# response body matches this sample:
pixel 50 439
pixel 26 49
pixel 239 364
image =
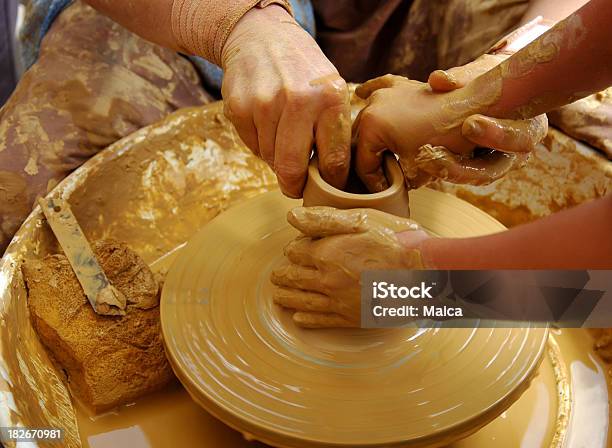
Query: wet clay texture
pixel 589 120
pixel 153 190
pixel 321 279
pixel 245 361
pixel 560 174
pixel 549 414
pixel 108 360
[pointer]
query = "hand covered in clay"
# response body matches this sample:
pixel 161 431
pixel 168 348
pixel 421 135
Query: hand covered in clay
pixel 321 282
pixel 457 77
pixel 510 136
pixel 435 134
pixel 514 136
pixel 282 94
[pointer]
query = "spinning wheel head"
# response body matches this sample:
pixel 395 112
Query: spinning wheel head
pixel 242 358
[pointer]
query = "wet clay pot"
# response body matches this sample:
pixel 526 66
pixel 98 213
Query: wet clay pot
pixel 393 200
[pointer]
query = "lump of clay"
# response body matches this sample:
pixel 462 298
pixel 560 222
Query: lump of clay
pixel 108 360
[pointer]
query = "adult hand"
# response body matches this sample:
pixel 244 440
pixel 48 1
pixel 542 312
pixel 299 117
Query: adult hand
pixel 321 282
pixel 282 95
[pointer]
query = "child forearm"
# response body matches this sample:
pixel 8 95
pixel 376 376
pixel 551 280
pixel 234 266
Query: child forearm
pixel 579 238
pixel 569 62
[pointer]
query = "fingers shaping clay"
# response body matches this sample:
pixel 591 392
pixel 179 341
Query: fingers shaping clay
pixel 246 361
pixel 109 360
pixel 321 281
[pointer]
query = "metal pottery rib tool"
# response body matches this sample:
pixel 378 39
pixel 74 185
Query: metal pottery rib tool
pixel 104 298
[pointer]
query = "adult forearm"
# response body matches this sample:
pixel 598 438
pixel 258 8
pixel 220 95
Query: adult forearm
pixel 578 238
pixel 196 27
pixel 150 19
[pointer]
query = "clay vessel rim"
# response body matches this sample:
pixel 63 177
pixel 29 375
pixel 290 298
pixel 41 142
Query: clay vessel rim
pixel 393 172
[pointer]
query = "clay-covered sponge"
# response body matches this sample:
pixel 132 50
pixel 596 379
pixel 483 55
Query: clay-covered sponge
pixel 392 200
pixel 108 360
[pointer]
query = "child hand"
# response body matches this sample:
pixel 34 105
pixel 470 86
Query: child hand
pixel 435 134
pixel 321 282
pixel 515 136
pixel 401 115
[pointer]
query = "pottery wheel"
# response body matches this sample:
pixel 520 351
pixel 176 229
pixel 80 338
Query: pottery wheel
pixel 241 357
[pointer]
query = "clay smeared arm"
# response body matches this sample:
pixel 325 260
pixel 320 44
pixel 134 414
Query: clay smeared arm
pixel 321 282
pixel 569 62
pixel 541 15
pixel 528 86
pixel 435 134
pixel 509 136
